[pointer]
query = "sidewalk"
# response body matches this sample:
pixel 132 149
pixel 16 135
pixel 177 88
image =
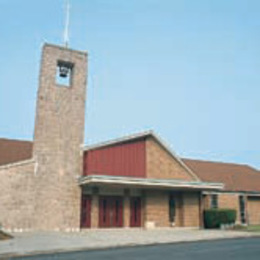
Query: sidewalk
pixel 43 242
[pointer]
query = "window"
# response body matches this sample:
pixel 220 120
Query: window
pixel 172 209
pixel 214 201
pixel 117 211
pixel 64 73
pixel 242 209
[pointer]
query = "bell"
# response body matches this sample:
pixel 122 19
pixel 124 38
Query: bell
pixel 64 71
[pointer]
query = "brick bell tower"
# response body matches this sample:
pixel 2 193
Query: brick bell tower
pixel 58 136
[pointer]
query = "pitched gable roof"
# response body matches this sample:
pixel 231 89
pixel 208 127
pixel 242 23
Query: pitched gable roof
pixel 12 151
pixel 236 177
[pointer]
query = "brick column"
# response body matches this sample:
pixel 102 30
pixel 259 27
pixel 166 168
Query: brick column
pixel 58 135
pixel 143 210
pixel 156 209
pixel 126 209
pixel 95 209
pixel 191 209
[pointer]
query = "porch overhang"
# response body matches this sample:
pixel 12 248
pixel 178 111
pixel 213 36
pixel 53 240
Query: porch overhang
pixel 97 180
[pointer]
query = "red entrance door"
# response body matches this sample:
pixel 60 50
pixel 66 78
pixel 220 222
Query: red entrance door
pixel 135 212
pixel 85 221
pixel 110 211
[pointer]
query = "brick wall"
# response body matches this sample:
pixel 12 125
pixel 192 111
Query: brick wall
pixel 179 210
pixel 229 200
pixel 226 201
pixel 160 164
pixel 156 208
pixel 253 210
pixel 191 209
pixel 206 201
pixel 17 196
pixel 187 209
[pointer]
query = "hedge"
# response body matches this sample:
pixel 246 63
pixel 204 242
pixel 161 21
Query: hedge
pixel 214 218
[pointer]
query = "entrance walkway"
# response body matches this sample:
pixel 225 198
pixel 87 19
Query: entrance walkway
pixel 43 242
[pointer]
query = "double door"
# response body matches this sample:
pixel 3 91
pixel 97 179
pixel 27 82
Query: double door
pixel 110 211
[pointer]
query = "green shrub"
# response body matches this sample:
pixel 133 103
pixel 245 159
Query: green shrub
pixel 214 218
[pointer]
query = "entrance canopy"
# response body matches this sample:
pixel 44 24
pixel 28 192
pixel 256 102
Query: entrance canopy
pixel 96 180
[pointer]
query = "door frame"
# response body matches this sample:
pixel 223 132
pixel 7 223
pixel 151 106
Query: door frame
pixel 135 211
pixel 85 213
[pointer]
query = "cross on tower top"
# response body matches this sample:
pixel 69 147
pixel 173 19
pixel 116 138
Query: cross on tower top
pixel 66 28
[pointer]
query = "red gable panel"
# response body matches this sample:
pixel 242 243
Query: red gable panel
pixel 125 159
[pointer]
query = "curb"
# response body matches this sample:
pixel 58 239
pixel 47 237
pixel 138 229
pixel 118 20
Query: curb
pixel 129 245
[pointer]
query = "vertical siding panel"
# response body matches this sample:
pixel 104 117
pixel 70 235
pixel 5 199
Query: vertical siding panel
pixel 127 159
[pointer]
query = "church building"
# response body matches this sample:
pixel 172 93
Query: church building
pixel 57 183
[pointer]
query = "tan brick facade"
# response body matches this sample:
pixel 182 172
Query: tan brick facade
pixel 160 164
pixel 191 209
pixel 225 201
pixel 59 133
pixel 156 209
pixel 179 219
pixel 253 210
pixel 228 200
pixel 17 196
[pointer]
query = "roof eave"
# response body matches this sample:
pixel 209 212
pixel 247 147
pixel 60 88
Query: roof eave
pixel 118 140
pixel 148 183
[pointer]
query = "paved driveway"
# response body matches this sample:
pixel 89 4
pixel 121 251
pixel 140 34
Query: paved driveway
pixel 237 249
pixel 27 243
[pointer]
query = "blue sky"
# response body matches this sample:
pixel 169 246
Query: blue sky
pixel 189 70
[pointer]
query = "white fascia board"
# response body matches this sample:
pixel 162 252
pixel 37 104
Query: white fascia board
pixel 160 183
pixel 118 140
